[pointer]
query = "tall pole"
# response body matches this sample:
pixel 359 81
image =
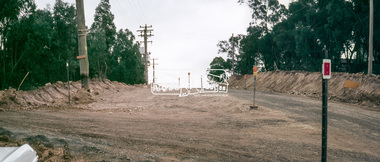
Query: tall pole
pixel 144 33
pixel 189 80
pixel 370 54
pixel 233 53
pixel 154 76
pixel 201 84
pixel 324 116
pixel 154 70
pixel 82 44
pixel 254 90
pixel 146 55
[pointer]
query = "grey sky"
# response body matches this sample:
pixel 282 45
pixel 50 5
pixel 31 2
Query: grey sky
pixel 186 31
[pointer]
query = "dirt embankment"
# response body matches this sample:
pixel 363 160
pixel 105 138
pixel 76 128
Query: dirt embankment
pixel 56 95
pixel 310 84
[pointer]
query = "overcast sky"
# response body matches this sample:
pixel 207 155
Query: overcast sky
pixel 185 31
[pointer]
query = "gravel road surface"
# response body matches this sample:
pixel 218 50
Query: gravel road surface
pixel 138 126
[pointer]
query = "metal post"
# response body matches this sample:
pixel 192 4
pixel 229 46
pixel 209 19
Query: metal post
pixel 245 83
pixel 254 94
pixel 189 80
pixel 68 80
pixel 324 119
pixel 201 84
pixel 324 116
pixel 254 90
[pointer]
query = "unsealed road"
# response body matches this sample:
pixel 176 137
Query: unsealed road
pixel 139 126
pixel 351 118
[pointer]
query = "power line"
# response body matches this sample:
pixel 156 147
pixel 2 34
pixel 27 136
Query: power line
pixel 133 11
pixel 123 14
pixel 139 3
pixel 139 12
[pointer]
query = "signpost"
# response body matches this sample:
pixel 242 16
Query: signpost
pixel 254 87
pixel 68 80
pixel 326 72
pixel 189 79
pixel 245 83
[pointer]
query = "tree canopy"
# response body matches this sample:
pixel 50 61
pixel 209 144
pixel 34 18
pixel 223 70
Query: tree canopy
pixel 297 37
pixel 41 41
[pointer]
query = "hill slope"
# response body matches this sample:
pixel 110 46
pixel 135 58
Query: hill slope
pixel 310 84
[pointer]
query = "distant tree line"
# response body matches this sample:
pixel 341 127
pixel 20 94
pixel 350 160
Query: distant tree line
pixel 42 41
pixel 297 37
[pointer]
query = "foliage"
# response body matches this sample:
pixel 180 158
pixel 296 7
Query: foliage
pixel 126 60
pixel 230 47
pixel 297 38
pixel 218 63
pixel 42 41
pixel 112 54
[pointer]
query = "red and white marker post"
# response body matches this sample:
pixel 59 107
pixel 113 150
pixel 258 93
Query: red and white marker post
pixel 326 74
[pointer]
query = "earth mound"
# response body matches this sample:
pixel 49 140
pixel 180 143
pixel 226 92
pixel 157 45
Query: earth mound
pixel 56 95
pixel 310 84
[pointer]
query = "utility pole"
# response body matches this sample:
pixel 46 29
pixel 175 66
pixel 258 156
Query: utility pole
pixel 82 44
pixel 145 35
pixel 154 70
pixel 188 80
pixel 370 52
pixel 201 84
pixel 233 53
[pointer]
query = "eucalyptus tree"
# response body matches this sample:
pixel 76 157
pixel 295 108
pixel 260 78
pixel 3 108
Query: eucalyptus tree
pixel 101 39
pixel 125 62
pixel 231 47
pixel 64 43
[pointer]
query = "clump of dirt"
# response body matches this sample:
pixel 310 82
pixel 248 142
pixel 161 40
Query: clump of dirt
pixel 83 97
pixel 40 143
pixel 56 95
pixel 310 84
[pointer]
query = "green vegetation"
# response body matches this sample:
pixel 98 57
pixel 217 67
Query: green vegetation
pixel 296 38
pixel 42 41
pixel 218 63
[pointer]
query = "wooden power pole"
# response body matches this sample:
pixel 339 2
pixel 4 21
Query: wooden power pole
pixel 154 70
pixel 145 35
pixel 82 44
pixel 370 51
pixel 233 53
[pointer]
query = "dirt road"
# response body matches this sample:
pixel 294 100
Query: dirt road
pixel 136 125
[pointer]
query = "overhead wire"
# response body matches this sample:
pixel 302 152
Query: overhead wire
pixel 140 12
pixel 133 11
pixel 123 14
pixel 128 14
pixel 143 11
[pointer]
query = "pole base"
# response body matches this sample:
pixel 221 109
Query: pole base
pixel 253 107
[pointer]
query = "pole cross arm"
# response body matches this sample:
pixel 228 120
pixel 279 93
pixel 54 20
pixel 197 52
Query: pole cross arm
pixel 81 57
